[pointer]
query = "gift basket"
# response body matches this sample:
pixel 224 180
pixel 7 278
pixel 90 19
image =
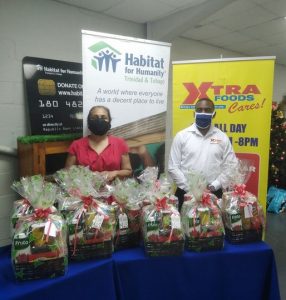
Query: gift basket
pixel 128 212
pixel 39 247
pixel 242 214
pixel 201 217
pixel 90 222
pixel 161 221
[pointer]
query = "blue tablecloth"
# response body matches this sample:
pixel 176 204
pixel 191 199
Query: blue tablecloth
pixel 237 272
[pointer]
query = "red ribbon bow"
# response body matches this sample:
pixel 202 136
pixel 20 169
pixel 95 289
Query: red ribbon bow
pixel 239 190
pixel 161 203
pixel 41 213
pixel 87 201
pixel 206 199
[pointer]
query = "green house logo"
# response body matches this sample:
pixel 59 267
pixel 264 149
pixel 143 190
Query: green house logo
pixel 105 57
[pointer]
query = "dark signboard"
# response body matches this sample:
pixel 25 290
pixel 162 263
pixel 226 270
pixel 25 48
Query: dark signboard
pixel 54 95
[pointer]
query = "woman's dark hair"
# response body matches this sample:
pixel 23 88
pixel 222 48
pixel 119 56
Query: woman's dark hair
pixel 100 106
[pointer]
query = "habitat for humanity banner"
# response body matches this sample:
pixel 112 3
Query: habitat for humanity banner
pixel 130 77
pixel 241 89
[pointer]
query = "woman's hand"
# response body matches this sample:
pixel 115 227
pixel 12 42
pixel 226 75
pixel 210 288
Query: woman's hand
pixel 125 171
pixel 70 161
pixel 110 175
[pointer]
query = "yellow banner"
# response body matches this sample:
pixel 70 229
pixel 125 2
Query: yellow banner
pixel 241 89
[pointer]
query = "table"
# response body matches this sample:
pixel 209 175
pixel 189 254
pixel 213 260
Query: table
pixel 238 272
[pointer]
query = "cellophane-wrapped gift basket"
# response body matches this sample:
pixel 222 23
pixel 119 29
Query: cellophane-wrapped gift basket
pixel 201 216
pixel 90 222
pixel 242 213
pixel 161 221
pixel 128 212
pixel 39 247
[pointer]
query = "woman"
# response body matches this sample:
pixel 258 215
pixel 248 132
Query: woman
pixel 101 152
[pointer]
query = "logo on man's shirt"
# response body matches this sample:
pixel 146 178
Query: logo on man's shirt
pixel 215 141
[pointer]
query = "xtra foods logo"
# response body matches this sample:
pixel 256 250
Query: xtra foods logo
pixel 105 58
pixel 239 97
pixel 231 92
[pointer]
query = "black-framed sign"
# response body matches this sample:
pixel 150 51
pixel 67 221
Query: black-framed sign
pixel 54 95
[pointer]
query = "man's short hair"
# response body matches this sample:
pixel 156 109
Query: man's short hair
pixel 206 99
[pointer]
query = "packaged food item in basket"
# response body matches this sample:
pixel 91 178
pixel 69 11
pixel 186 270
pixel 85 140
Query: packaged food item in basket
pixel 165 189
pixel 151 187
pixel 39 247
pixel 90 222
pixel 147 188
pixel 21 208
pixel 128 212
pixel 162 229
pixel 201 217
pixel 242 214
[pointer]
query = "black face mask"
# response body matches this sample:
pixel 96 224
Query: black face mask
pixel 98 126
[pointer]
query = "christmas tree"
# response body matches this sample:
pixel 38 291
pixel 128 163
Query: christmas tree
pixel 277 157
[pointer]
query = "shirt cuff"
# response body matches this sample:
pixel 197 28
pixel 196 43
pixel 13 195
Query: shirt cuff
pixel 216 184
pixel 184 187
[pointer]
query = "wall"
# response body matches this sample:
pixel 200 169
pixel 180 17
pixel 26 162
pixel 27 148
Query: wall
pixel 49 29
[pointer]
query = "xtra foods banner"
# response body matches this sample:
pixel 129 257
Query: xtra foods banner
pixel 241 89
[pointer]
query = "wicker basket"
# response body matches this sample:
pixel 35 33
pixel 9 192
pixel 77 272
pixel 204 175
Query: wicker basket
pixel 164 249
pixel 89 251
pixel 126 241
pixel 40 269
pixel 243 236
pixel 204 244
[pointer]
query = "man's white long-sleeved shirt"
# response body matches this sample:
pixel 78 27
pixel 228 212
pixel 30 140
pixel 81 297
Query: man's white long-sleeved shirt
pixel 203 153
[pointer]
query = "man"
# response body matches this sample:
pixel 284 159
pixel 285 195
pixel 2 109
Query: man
pixel 202 148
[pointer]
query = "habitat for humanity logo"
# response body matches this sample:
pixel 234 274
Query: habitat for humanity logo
pixel 39 68
pixel 105 57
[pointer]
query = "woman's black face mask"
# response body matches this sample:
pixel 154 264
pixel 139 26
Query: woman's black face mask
pixel 98 126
